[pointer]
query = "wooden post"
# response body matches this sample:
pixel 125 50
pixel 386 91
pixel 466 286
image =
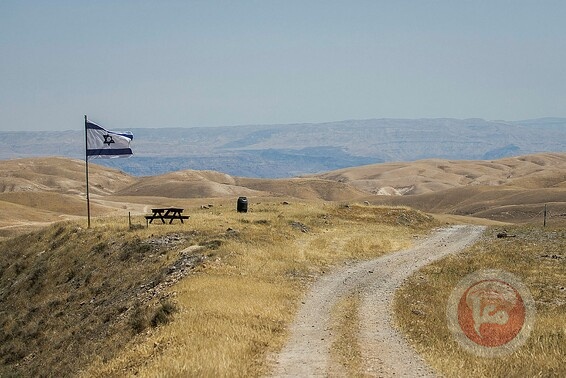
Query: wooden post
pixel 129 220
pixel 544 222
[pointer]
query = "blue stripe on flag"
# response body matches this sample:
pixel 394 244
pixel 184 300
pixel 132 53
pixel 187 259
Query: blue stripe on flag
pixel 105 151
pixel 94 126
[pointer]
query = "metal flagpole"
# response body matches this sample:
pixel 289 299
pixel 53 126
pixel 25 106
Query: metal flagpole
pixel 86 161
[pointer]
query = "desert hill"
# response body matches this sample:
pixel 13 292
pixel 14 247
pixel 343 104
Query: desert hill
pixel 59 175
pixel 209 184
pixel 38 191
pixel 188 184
pixel 67 177
pixel 433 175
pixel 510 189
pixel 305 188
pixel 497 203
pixel 43 190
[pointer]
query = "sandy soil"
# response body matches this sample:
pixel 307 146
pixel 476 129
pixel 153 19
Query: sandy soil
pixel 385 352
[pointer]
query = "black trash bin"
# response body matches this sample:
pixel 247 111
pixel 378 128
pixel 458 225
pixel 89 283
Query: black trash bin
pixel 242 205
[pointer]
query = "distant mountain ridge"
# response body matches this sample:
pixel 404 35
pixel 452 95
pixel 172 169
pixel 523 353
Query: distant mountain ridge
pixel 273 151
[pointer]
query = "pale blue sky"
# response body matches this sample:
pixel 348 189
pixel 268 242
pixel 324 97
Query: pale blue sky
pixel 212 63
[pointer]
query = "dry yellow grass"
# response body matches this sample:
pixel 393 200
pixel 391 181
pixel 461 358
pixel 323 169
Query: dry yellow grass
pixel 65 287
pixel 233 313
pixel 536 257
pixel 346 349
pixel 225 327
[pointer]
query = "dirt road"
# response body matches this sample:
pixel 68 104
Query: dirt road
pixel 385 352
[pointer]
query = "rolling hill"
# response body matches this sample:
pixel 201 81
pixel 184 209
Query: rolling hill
pixel 58 175
pixel 510 189
pixel 426 176
pixel 35 192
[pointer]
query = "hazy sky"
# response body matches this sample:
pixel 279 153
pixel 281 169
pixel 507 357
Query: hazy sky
pixel 211 63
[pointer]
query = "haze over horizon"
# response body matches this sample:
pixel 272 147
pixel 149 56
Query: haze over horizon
pixel 198 64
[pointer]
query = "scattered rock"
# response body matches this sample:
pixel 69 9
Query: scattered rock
pixel 554 257
pixel 417 312
pixel 299 226
pixel 189 258
pixel 231 232
pixel 403 219
pixel 167 240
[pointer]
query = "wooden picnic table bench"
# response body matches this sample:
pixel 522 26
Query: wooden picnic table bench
pixel 170 213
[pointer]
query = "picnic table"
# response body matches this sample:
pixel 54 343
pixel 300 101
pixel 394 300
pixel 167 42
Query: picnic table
pixel 170 213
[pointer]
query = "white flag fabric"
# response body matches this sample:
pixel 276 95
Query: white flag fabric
pixel 101 143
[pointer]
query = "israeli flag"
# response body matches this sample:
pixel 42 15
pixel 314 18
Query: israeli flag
pixel 101 143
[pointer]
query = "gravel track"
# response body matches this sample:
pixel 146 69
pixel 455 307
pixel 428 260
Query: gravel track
pixel 385 352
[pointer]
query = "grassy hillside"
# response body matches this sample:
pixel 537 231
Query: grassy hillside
pixel 212 297
pixel 536 257
pixel 68 294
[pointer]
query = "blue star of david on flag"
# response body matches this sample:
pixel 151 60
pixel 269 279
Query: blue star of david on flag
pixel 102 143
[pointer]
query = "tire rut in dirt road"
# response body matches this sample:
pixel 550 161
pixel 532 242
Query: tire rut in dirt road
pixel 384 351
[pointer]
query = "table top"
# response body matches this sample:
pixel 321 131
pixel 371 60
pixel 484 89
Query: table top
pixel 174 209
